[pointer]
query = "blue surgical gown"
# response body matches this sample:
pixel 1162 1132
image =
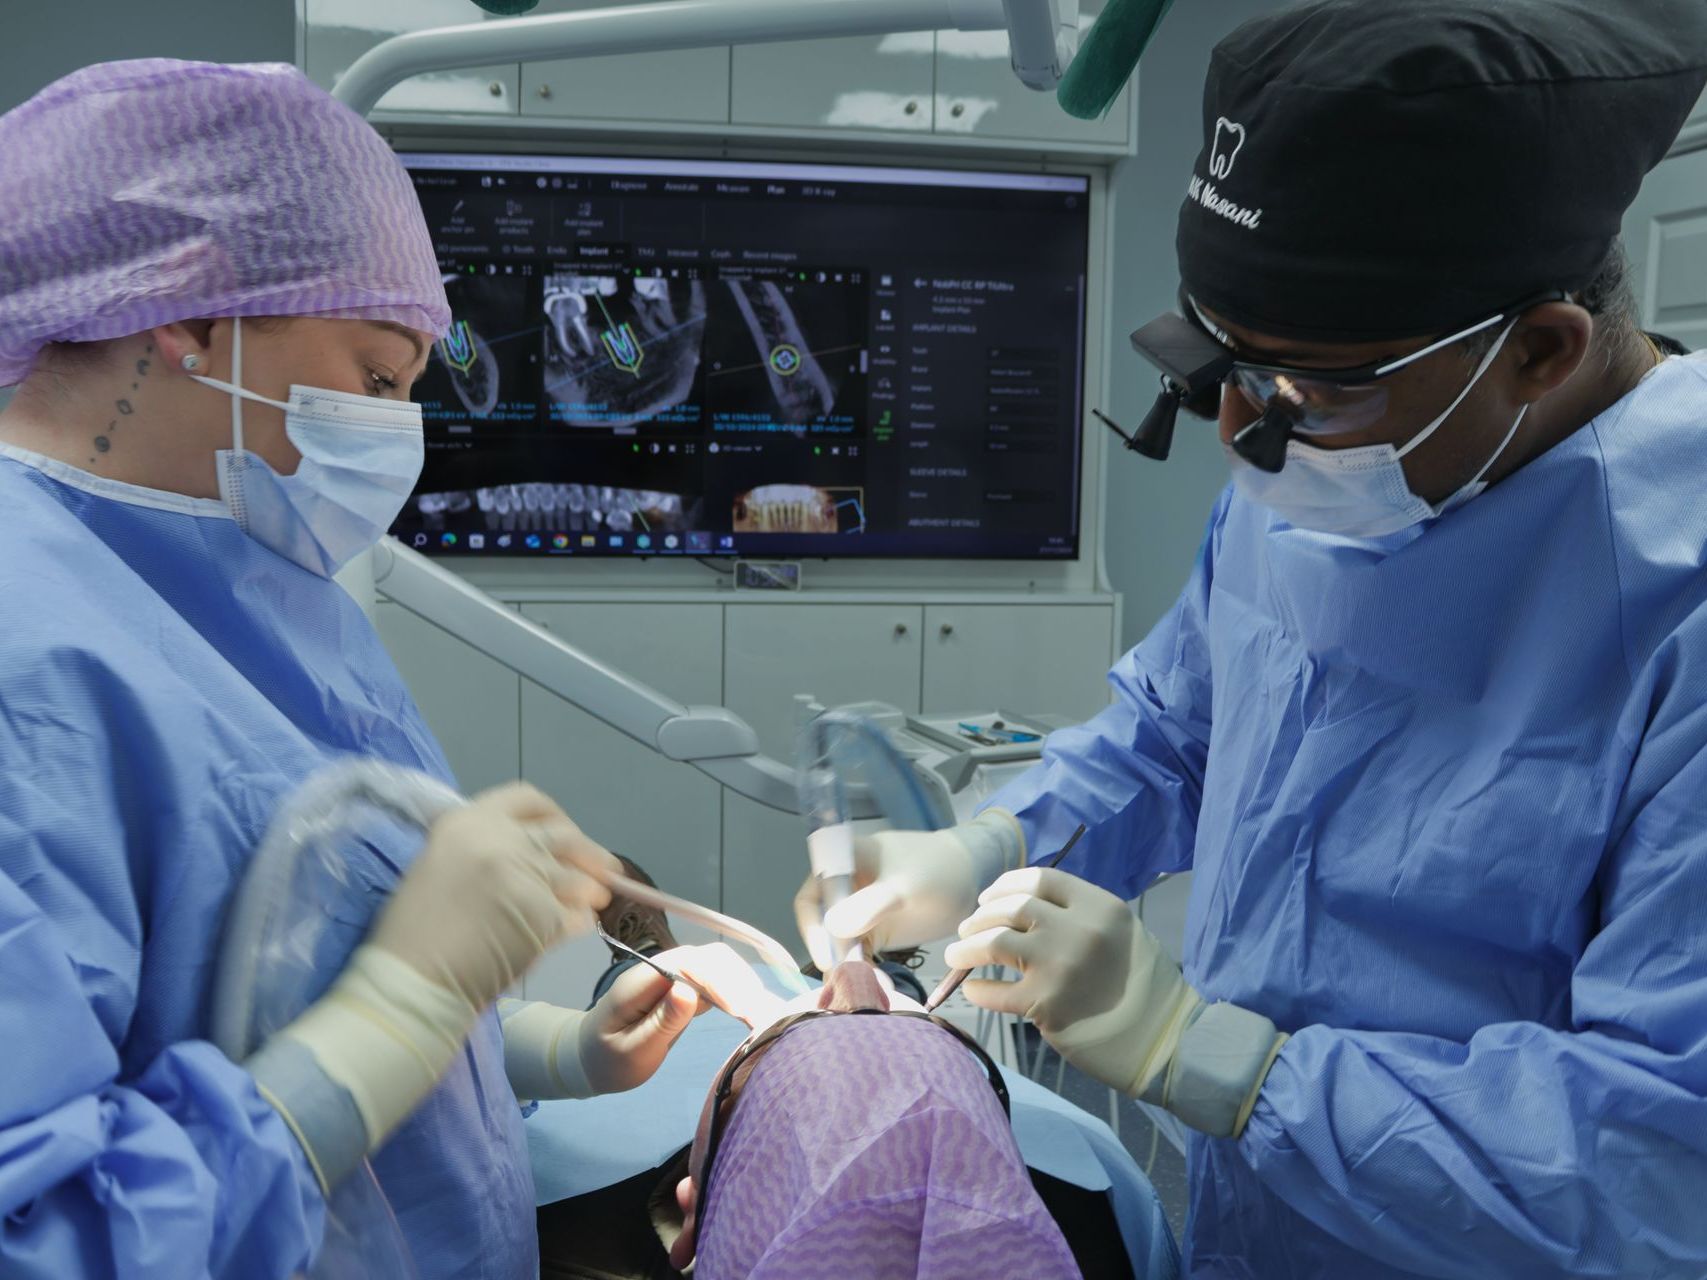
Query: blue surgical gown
pixel 1445 802
pixel 164 682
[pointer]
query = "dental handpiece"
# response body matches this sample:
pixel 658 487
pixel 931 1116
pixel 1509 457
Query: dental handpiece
pixel 831 851
pixel 830 835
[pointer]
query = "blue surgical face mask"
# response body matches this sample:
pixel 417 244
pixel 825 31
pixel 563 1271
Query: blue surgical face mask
pixel 1362 492
pixel 361 457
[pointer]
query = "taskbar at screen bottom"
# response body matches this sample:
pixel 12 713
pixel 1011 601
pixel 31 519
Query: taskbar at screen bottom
pixel 932 545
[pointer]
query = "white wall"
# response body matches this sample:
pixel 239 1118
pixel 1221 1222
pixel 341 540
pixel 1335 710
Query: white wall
pixel 1157 510
pixel 39 43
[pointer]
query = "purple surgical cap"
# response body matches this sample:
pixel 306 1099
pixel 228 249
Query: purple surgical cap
pixel 870 1147
pixel 134 194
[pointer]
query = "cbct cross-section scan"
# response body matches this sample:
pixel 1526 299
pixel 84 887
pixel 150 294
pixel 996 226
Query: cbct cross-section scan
pixel 622 349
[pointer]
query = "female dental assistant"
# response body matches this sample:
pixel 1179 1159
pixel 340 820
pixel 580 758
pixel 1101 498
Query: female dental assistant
pixel 1429 721
pixel 177 486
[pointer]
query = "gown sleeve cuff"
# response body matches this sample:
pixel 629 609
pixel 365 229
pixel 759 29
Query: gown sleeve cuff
pixel 319 1112
pixel 996 842
pixel 542 1055
pixel 1219 1068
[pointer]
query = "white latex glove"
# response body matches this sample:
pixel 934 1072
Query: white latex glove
pixel 498 883
pixel 731 982
pixel 911 887
pixel 1111 1001
pixel 552 1052
pixel 627 1034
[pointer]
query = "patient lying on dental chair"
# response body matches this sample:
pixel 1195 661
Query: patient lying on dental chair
pixel 849 1134
pixel 862 1146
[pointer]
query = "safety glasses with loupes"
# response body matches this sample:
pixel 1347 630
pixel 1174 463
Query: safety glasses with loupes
pixel 1196 360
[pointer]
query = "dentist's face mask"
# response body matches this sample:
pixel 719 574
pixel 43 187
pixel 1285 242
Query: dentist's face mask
pixel 361 457
pixel 1360 492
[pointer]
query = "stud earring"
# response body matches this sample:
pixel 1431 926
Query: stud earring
pixel 191 363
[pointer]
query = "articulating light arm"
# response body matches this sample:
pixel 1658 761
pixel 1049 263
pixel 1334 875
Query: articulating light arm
pixel 713 739
pixel 1043 34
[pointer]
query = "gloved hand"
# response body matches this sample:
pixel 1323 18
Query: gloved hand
pixel 626 1035
pixel 1107 997
pixel 552 1052
pixel 911 887
pixel 498 883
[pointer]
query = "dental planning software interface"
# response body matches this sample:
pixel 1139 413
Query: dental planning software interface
pixel 652 357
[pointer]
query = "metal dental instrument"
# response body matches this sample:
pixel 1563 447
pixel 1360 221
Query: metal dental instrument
pixel 700 989
pixel 950 984
pixel 775 955
pixel 641 956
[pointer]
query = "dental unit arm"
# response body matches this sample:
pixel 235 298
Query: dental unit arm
pixel 714 740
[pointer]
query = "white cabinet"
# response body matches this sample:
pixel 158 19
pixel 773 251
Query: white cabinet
pixel 764 861
pixel 861 82
pixel 468 700
pixel 948 88
pixel 1050 660
pixel 837 653
pixel 337 32
pixel 1665 233
pixel 662 813
pixel 978 94
pixel 688 85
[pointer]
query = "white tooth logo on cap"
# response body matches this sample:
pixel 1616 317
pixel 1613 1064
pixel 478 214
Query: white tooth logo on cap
pixel 1229 137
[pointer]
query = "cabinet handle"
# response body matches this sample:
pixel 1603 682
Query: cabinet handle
pixel 545 91
pixel 947 629
pixel 900 628
pixel 912 108
pixel 958 109
pixel 496 89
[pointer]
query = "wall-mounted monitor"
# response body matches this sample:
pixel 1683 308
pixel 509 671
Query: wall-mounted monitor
pixel 658 357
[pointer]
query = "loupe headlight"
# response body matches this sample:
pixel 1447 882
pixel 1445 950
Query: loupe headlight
pixel 1193 367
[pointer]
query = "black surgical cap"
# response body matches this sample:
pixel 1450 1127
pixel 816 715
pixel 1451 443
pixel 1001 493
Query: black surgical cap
pixel 1377 169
